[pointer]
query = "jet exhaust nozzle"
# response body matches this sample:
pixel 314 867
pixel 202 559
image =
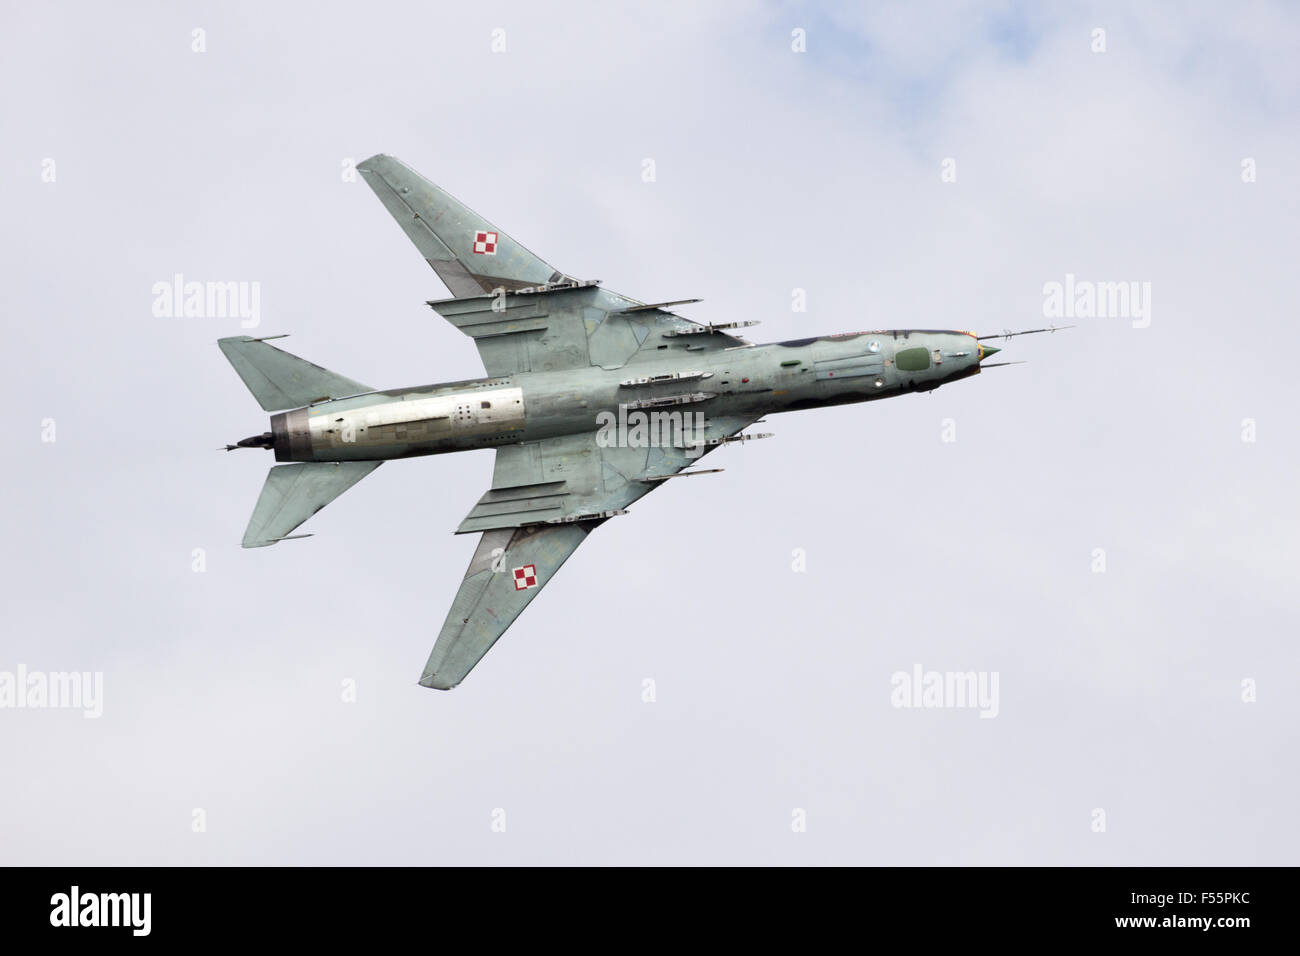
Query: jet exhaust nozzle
pixel 264 440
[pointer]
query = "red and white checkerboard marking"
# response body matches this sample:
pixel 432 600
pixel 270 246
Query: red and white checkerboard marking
pixel 525 577
pixel 485 243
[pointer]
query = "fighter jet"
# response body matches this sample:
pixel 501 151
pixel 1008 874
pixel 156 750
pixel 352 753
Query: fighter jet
pixel 591 399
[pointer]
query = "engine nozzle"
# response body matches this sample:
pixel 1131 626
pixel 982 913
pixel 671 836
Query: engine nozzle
pixel 264 440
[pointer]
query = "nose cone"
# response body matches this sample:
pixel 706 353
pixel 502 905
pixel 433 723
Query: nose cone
pixel 986 351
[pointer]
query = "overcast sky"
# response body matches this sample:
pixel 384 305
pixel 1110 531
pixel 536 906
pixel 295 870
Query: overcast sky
pixel 1161 691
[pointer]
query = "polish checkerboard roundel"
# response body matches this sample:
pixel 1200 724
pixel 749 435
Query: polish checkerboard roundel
pixel 525 577
pixel 485 243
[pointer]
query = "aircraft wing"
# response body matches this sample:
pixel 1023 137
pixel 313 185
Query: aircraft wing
pixel 469 254
pixel 523 313
pixel 546 497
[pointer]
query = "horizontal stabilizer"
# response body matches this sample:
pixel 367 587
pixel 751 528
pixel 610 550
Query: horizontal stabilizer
pixel 279 380
pixel 293 493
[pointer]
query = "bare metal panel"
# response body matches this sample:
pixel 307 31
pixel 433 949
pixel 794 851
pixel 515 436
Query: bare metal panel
pixel 470 413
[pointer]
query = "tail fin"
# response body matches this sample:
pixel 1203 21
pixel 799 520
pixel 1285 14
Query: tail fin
pixel 293 493
pixel 279 380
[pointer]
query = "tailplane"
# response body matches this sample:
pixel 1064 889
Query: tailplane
pixel 293 493
pixel 279 380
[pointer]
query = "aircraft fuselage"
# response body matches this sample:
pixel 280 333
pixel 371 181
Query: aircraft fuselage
pixel 534 406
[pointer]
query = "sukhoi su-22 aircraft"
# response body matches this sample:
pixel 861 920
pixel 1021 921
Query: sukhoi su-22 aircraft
pixel 591 400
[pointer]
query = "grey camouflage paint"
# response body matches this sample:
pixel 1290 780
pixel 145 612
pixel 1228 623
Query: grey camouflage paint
pixel 563 357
